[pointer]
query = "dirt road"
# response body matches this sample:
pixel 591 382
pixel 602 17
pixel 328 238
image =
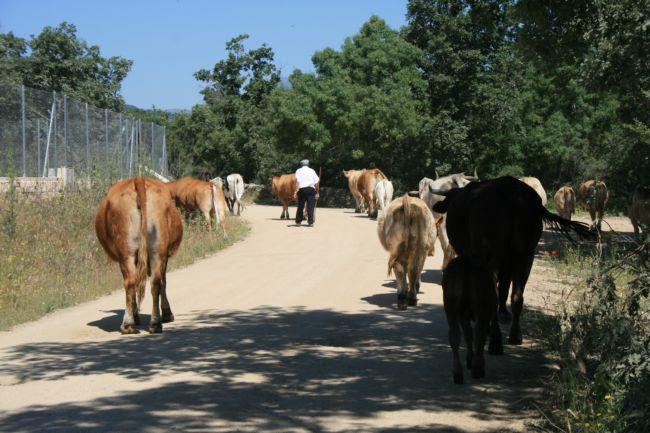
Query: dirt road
pixel 292 329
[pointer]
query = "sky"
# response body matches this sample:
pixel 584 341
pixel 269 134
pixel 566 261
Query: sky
pixel 169 40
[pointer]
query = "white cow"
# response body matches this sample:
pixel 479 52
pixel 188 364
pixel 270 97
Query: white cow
pixel 234 192
pixel 383 194
pixel 444 183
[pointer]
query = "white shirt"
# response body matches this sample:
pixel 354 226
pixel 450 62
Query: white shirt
pixel 306 177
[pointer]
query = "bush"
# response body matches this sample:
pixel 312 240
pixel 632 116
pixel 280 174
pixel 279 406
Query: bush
pixel 602 341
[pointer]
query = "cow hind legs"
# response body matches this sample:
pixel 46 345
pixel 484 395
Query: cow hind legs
pixel 130 315
pixel 158 293
pixel 402 287
pixel 495 346
pixel 478 361
pixel 417 264
pixel 167 315
pixel 454 342
pixel 131 318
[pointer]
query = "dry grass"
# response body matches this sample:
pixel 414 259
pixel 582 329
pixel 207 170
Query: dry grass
pixel 50 257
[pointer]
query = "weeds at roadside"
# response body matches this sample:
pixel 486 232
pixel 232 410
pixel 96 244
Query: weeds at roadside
pixel 600 339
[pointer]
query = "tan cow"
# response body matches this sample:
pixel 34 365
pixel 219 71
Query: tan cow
pixel 565 202
pixel 593 197
pixel 284 187
pixel 139 227
pixel 198 195
pixel 640 210
pixel 406 230
pixel 447 250
pixel 366 185
pixel 353 177
pixel 535 184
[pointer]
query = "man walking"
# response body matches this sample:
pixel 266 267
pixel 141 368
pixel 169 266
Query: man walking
pixel 306 180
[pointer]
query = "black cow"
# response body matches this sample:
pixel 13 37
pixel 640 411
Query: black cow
pixel 466 291
pixel 495 225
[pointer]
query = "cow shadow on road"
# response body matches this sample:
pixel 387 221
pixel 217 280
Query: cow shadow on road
pixel 113 322
pixel 276 369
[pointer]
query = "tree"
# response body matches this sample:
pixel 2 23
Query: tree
pixel 365 105
pixel 227 133
pixel 57 59
pixel 473 76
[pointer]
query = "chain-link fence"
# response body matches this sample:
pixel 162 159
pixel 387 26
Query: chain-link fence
pixel 41 131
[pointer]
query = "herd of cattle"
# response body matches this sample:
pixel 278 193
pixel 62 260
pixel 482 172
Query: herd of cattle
pixel 488 232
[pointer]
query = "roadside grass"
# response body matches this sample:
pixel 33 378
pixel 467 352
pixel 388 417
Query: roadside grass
pixel 50 257
pixel 600 340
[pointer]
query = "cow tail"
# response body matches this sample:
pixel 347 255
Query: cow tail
pixel 565 226
pixel 218 210
pixel 402 246
pixel 142 257
pixel 382 173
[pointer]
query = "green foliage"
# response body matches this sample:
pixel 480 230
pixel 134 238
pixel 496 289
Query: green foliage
pixel 227 133
pixel 56 59
pixel 546 88
pixel 601 337
pixel 365 105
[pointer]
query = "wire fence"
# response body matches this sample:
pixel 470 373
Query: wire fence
pixel 42 131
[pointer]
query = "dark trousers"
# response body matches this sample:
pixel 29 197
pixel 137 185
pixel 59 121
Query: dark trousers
pixel 308 195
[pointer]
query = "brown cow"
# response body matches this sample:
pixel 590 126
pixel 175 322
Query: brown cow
pixel 353 178
pixel 284 187
pixel 198 195
pixel 593 196
pixel 640 210
pixel 139 227
pixel 535 184
pixel 565 202
pixel 366 185
pixel 406 230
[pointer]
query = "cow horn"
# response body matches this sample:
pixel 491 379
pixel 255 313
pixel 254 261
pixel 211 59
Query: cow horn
pixel 437 191
pixel 475 177
pixel 413 194
pixel 436 171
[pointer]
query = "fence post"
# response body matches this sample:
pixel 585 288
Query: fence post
pixel 46 159
pixel 38 145
pixel 56 131
pixel 22 126
pixel 65 129
pixel 87 141
pixel 131 148
pixel 106 133
pixel 164 151
pixel 153 158
pixel 119 148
